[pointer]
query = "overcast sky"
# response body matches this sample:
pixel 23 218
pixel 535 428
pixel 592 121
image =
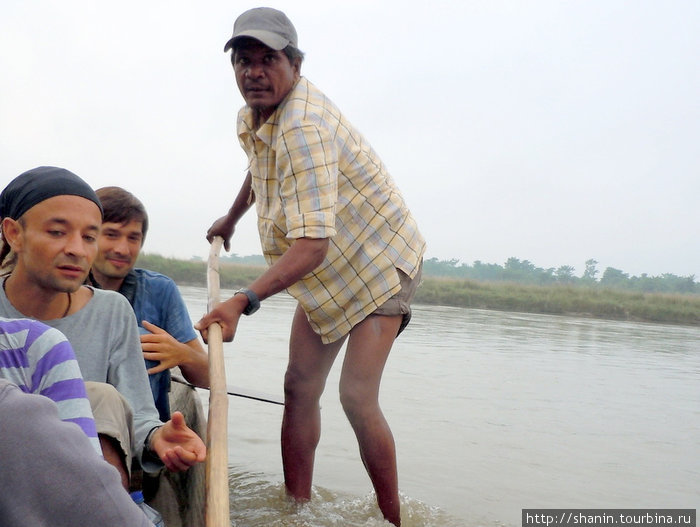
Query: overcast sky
pixel 549 131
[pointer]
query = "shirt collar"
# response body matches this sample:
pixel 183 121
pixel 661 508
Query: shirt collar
pixel 268 130
pixel 128 287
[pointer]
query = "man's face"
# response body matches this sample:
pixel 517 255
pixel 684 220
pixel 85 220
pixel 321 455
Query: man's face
pixel 56 242
pixel 119 246
pixel 264 76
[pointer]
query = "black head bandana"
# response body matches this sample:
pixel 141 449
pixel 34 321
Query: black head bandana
pixel 39 184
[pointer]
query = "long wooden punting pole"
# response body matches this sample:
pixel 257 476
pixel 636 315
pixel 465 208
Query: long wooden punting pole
pixel 217 506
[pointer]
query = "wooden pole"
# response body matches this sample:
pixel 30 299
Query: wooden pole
pixel 217 492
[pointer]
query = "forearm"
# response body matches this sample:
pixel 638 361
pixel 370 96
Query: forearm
pixel 305 255
pixel 244 200
pixel 226 225
pixel 195 368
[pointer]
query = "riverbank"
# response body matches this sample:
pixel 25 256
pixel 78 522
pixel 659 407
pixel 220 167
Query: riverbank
pixel 552 299
pixel 563 300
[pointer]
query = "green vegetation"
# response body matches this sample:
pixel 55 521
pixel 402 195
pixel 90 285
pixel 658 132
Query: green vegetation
pixel 194 272
pixel 562 300
pixel 583 297
pixel 524 272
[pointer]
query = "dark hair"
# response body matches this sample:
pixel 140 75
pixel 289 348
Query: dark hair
pixel 293 54
pixel 290 51
pixel 121 206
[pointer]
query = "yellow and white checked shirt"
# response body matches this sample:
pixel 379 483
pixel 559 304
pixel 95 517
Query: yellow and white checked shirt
pixel 315 176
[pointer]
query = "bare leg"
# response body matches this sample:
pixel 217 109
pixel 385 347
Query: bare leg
pixel 113 455
pixel 368 349
pixel 309 363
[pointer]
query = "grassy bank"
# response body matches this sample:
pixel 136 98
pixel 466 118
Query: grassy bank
pixel 562 300
pixel 554 299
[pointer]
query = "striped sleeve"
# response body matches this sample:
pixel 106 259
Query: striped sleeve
pixel 40 360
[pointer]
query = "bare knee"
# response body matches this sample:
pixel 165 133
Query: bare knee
pixel 300 388
pixel 356 401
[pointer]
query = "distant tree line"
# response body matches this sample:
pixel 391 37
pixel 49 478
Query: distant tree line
pixel 491 287
pixel 525 272
pixel 251 259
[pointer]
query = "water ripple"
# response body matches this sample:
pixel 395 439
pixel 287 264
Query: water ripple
pixel 258 502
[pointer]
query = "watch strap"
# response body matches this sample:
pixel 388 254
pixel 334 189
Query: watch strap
pixel 253 301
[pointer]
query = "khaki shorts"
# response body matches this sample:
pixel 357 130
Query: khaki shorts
pixel 113 416
pixel 400 303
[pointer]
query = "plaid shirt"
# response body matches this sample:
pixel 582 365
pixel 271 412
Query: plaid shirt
pixel 315 176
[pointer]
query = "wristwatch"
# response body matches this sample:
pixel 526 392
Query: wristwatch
pixel 253 301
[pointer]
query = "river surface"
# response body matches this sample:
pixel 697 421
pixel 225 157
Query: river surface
pixel 492 412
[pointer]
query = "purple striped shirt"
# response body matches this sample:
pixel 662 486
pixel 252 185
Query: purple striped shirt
pixel 40 360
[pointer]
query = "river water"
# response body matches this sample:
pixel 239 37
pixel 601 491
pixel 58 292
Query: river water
pixel 492 412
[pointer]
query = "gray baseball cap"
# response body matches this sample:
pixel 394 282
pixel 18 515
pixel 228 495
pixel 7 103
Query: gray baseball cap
pixel 269 26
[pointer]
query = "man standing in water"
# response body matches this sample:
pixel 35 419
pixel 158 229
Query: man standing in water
pixel 338 237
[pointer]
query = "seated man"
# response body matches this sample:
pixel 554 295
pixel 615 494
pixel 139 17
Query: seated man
pixel 49 475
pixel 39 359
pixel 168 338
pixel 51 221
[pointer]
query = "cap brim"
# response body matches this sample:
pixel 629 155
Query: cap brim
pixel 271 40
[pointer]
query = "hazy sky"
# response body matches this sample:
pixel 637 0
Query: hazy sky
pixel 551 131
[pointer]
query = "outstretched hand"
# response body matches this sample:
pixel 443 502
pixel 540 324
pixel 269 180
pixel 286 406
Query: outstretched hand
pixel 177 445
